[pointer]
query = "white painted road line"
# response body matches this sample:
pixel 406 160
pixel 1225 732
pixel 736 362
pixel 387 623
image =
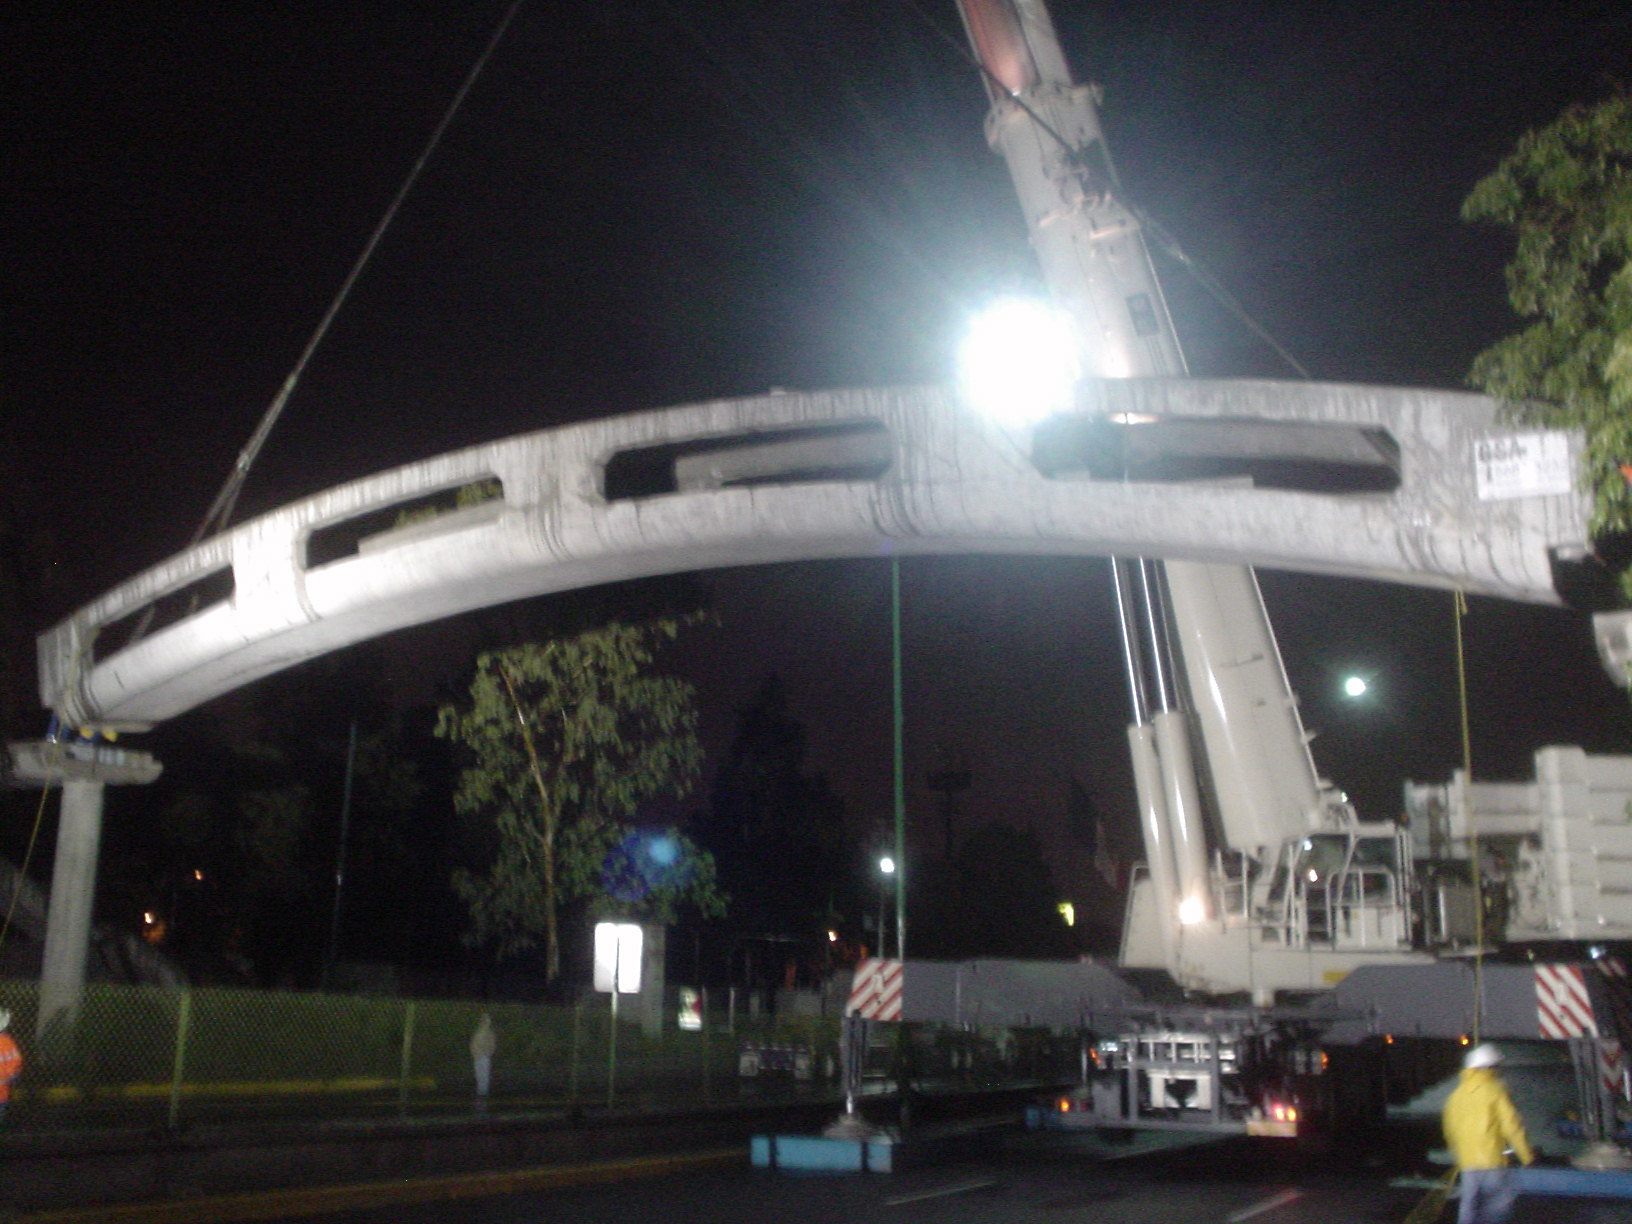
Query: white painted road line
pixel 1269 1204
pixel 960 1188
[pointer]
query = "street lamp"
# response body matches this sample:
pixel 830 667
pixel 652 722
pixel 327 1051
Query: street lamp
pixel 886 868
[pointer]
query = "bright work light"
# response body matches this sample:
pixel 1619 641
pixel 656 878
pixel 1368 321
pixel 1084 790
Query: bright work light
pixel 1018 362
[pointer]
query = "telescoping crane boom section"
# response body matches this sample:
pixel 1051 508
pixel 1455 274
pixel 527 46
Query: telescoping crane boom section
pixel 1197 642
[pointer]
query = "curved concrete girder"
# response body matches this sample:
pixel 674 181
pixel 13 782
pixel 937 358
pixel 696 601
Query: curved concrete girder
pixel 953 484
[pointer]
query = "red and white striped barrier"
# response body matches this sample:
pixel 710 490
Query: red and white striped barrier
pixel 1563 1008
pixel 1612 1068
pixel 875 991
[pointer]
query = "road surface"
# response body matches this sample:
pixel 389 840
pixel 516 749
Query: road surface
pixel 1028 1181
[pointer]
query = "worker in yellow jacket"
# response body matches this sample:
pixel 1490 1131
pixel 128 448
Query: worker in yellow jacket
pixel 1481 1126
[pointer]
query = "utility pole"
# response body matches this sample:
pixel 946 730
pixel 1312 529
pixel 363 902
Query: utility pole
pixel 340 854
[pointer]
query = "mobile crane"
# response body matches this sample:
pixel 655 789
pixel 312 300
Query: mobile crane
pixel 1293 927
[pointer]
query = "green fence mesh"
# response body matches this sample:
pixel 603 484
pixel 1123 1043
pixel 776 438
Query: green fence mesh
pixel 149 1055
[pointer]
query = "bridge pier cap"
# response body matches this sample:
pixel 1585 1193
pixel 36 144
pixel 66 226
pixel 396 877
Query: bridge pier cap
pixel 1368 482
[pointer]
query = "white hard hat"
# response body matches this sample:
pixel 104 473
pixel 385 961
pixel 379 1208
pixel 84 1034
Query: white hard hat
pixel 1485 1055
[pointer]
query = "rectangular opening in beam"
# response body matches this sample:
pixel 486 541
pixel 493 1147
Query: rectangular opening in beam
pixel 804 454
pixel 1299 456
pixel 399 522
pixel 168 609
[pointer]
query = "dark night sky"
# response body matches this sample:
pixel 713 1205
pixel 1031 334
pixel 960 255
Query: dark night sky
pixel 646 204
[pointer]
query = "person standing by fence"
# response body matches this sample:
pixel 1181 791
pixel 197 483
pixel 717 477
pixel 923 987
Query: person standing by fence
pixel 11 1060
pixel 483 1042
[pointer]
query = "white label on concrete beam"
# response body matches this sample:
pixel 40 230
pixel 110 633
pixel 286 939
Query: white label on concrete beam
pixel 1522 465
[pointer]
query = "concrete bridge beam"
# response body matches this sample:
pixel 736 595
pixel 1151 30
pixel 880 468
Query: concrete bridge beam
pixel 1370 482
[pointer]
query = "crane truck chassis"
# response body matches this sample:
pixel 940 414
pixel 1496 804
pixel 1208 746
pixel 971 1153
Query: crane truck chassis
pixel 1298 942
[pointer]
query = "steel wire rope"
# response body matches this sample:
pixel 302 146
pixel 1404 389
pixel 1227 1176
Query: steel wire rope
pixel 226 500
pixel 28 857
pixel 221 509
pixel 1460 607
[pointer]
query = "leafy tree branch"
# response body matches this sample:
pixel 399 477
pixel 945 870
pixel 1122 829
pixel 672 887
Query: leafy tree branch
pixel 568 738
pixel 1566 193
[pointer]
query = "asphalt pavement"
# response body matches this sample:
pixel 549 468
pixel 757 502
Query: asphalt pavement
pixel 1023 1180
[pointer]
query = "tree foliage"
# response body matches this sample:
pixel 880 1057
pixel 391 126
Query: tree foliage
pixel 777 829
pixel 994 895
pixel 1566 192
pixel 232 863
pixel 235 848
pixel 568 739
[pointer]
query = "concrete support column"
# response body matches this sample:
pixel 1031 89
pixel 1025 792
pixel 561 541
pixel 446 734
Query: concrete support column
pixel 73 889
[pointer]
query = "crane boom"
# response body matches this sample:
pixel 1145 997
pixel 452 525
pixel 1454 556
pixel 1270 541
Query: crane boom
pixel 1089 243
pixel 1200 652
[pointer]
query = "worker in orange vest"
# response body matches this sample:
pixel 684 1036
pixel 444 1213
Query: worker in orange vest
pixel 11 1060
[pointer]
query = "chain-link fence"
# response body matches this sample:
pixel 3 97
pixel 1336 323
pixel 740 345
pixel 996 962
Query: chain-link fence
pixel 138 1055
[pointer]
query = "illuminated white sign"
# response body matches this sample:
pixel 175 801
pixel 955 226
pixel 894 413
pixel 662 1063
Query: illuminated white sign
pixel 1522 465
pixel 617 957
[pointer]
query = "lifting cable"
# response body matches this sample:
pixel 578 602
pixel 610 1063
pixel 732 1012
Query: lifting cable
pixel 220 511
pixel 21 877
pixel 1460 612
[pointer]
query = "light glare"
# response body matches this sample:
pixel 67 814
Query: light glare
pixel 1018 362
pixel 1355 686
